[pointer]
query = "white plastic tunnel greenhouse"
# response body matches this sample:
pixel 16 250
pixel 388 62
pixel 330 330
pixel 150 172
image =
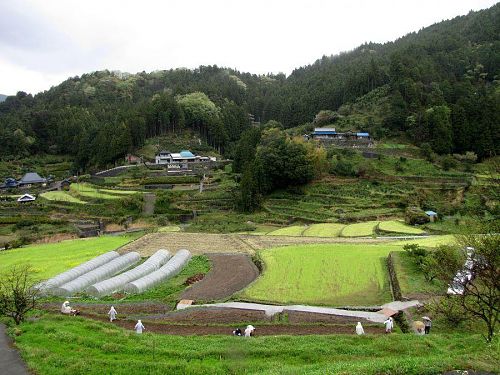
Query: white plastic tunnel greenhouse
pixel 115 284
pixel 101 273
pixel 77 271
pixel 171 268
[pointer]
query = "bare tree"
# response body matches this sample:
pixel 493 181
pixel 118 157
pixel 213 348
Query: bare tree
pixel 18 294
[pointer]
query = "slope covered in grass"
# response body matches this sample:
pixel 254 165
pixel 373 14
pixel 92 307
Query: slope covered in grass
pixel 338 274
pixel 57 345
pixel 50 259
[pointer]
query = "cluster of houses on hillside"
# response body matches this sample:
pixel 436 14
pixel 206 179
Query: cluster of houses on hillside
pixel 349 138
pixel 28 180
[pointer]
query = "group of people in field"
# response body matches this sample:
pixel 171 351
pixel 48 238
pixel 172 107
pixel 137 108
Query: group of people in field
pixel 389 325
pixel 250 329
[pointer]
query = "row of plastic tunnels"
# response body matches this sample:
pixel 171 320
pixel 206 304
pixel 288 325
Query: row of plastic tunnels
pixel 104 274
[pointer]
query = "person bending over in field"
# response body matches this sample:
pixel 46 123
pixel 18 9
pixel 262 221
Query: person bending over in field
pixel 249 331
pixel 67 310
pixel 237 332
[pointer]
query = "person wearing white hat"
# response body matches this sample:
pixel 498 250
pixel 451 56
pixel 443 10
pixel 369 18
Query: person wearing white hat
pixel 249 330
pixel 139 327
pixel 112 314
pixel 359 329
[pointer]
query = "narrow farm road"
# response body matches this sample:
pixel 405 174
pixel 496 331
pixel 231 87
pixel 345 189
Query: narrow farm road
pixel 10 360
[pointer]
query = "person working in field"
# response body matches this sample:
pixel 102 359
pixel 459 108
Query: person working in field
pixel 249 331
pixel 139 327
pixel 359 329
pixel 237 332
pixel 389 324
pixel 67 310
pixel 427 324
pixel 112 314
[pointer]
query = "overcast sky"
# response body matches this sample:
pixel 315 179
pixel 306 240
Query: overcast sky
pixel 42 42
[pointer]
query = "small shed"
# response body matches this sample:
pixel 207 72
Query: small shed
pixel 9 183
pixel 432 215
pixel 26 198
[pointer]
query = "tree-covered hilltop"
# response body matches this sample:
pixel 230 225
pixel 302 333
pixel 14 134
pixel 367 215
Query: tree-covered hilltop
pixel 437 87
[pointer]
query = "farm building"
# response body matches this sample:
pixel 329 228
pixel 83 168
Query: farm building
pixel 183 157
pixel 32 178
pixel 26 198
pixel 432 215
pixel 349 138
pixel 9 183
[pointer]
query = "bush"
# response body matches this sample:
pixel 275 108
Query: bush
pixel 342 168
pixel 448 163
pixel 415 215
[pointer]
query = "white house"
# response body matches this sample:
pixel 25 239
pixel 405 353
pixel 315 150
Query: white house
pixel 183 157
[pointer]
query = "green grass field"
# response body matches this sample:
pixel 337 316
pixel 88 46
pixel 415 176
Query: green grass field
pixel 324 230
pixel 359 229
pixel 396 226
pixel 431 241
pixel 338 274
pixel 50 259
pixel 294 230
pixel 89 191
pixel 59 345
pixel 61 196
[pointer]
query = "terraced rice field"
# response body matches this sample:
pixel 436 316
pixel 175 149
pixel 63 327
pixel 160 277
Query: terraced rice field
pixel 359 229
pixel 396 226
pixel 89 191
pixel 61 196
pixel 48 260
pixel 335 275
pixel 294 230
pixel 324 230
pixel 432 241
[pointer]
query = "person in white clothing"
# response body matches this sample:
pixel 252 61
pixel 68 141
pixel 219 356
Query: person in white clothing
pixel 359 329
pixel 67 310
pixel 139 327
pixel 389 324
pixel 249 330
pixel 112 314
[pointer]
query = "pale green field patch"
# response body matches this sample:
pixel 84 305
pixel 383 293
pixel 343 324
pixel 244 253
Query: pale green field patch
pixel 324 230
pixel 61 196
pixel 396 226
pixel 359 229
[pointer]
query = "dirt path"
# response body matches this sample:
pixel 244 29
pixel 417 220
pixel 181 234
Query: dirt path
pixel 10 360
pixel 202 243
pixel 229 273
pixel 261 330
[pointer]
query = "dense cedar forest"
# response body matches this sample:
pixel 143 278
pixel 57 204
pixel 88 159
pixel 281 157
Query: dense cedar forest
pixel 438 87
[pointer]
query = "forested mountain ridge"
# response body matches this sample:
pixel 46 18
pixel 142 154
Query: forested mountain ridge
pixel 440 86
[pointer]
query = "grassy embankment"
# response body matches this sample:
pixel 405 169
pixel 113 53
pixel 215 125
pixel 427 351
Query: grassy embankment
pixel 56 345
